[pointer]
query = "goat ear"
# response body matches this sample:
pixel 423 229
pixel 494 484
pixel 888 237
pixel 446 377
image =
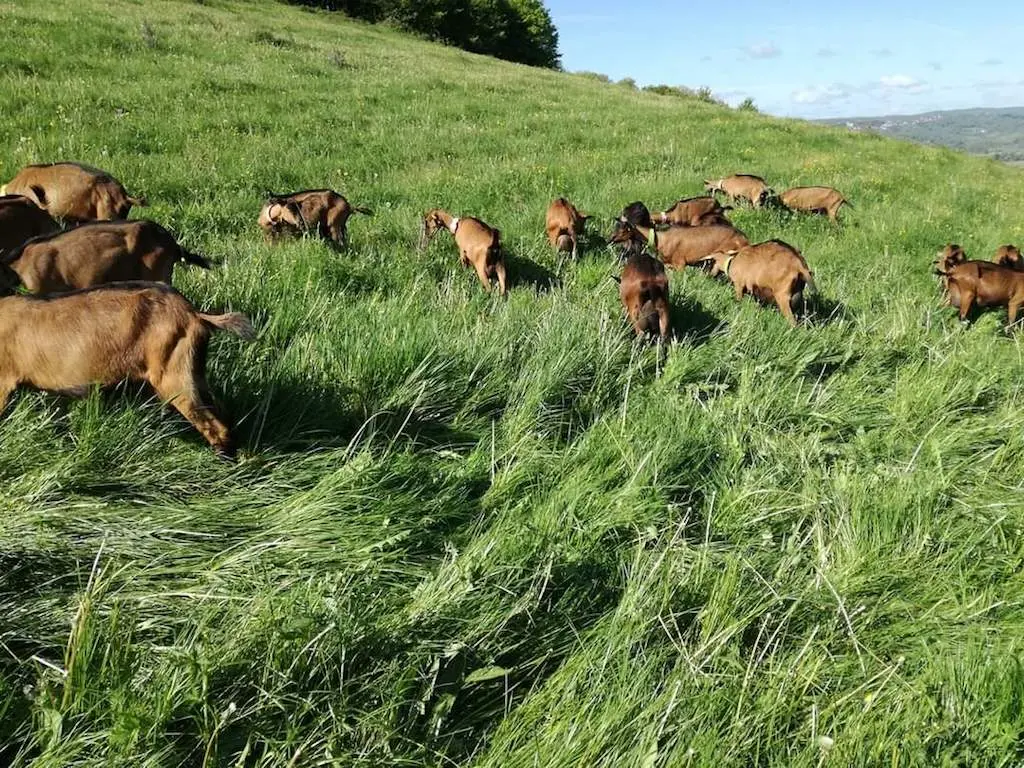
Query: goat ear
pixel 40 195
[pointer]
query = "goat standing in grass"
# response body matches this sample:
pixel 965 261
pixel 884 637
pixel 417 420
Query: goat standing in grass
pixel 137 331
pixel 693 212
pixel 73 192
pixel 95 254
pixel 479 245
pixel 564 225
pixel 679 246
pixel 320 211
pixel 643 289
pixel 769 271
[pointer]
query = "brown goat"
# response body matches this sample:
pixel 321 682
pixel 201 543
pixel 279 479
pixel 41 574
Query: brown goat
pixel 137 331
pixel 824 200
pixel 770 271
pixel 21 220
pixel 643 289
pixel 741 186
pixel 96 254
pixel 693 212
pixel 1008 256
pixel 73 192
pixel 322 211
pixel 681 246
pixel 984 284
pixel 564 225
pixel 479 245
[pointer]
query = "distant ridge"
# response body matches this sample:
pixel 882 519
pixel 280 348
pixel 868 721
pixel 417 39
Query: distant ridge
pixel 996 133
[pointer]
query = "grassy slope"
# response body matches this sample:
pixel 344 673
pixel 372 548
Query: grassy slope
pixel 492 533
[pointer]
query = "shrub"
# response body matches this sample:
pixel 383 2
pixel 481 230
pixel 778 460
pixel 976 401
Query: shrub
pixel 747 105
pixel 514 30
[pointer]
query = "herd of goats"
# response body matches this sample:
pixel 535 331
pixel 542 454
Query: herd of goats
pixel 87 294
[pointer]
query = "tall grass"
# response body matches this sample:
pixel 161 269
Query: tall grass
pixel 475 531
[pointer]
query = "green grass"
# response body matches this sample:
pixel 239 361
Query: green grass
pixel 497 533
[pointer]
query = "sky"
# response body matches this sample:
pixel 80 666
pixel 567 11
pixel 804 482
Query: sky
pixel 844 58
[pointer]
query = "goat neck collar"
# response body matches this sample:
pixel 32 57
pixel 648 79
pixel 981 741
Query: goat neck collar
pixel 652 238
pixel 728 263
pixel 453 224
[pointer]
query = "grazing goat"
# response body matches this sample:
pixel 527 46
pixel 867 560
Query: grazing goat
pixel 824 200
pixel 564 225
pixel 322 211
pixel 73 192
pixel 741 186
pixel 679 246
pixel 1008 256
pixel 95 254
pixel 138 331
pixel 770 271
pixel 984 284
pixel 643 289
pixel 694 212
pixel 21 220
pixel 479 245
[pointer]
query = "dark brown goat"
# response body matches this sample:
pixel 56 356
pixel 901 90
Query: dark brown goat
pixel 824 200
pixel 741 186
pixel 21 220
pixel 680 246
pixel 137 331
pixel 73 192
pixel 643 289
pixel 564 224
pixel 770 271
pixel 693 212
pixel 479 245
pixel 96 254
pixel 320 211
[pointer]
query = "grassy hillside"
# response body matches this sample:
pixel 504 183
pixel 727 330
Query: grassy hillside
pixel 470 531
pixel 998 133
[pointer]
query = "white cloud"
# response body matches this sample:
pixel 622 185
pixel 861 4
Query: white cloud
pixel 763 51
pixel 820 94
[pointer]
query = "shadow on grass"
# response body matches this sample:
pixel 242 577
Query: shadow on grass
pixel 691 322
pixel 523 271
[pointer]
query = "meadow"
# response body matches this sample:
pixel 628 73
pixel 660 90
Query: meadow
pixel 468 531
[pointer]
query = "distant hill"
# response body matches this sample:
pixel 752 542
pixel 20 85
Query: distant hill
pixel 997 133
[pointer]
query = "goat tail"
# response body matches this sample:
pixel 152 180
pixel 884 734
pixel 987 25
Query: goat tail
pixel 194 258
pixel 362 210
pixel 846 202
pixel 233 322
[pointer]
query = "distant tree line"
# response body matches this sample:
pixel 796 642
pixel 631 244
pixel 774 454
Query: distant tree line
pixel 514 30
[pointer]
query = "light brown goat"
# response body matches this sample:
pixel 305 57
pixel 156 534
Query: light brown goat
pixel 95 254
pixel 73 192
pixel 984 284
pixel 21 220
pixel 693 212
pixel 769 271
pixel 681 246
pixel 137 331
pixel 479 245
pixel 564 224
pixel 320 211
pixel 739 186
pixel 643 289
pixel 824 200
pixel 1008 256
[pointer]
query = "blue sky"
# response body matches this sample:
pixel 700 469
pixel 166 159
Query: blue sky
pixel 808 59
